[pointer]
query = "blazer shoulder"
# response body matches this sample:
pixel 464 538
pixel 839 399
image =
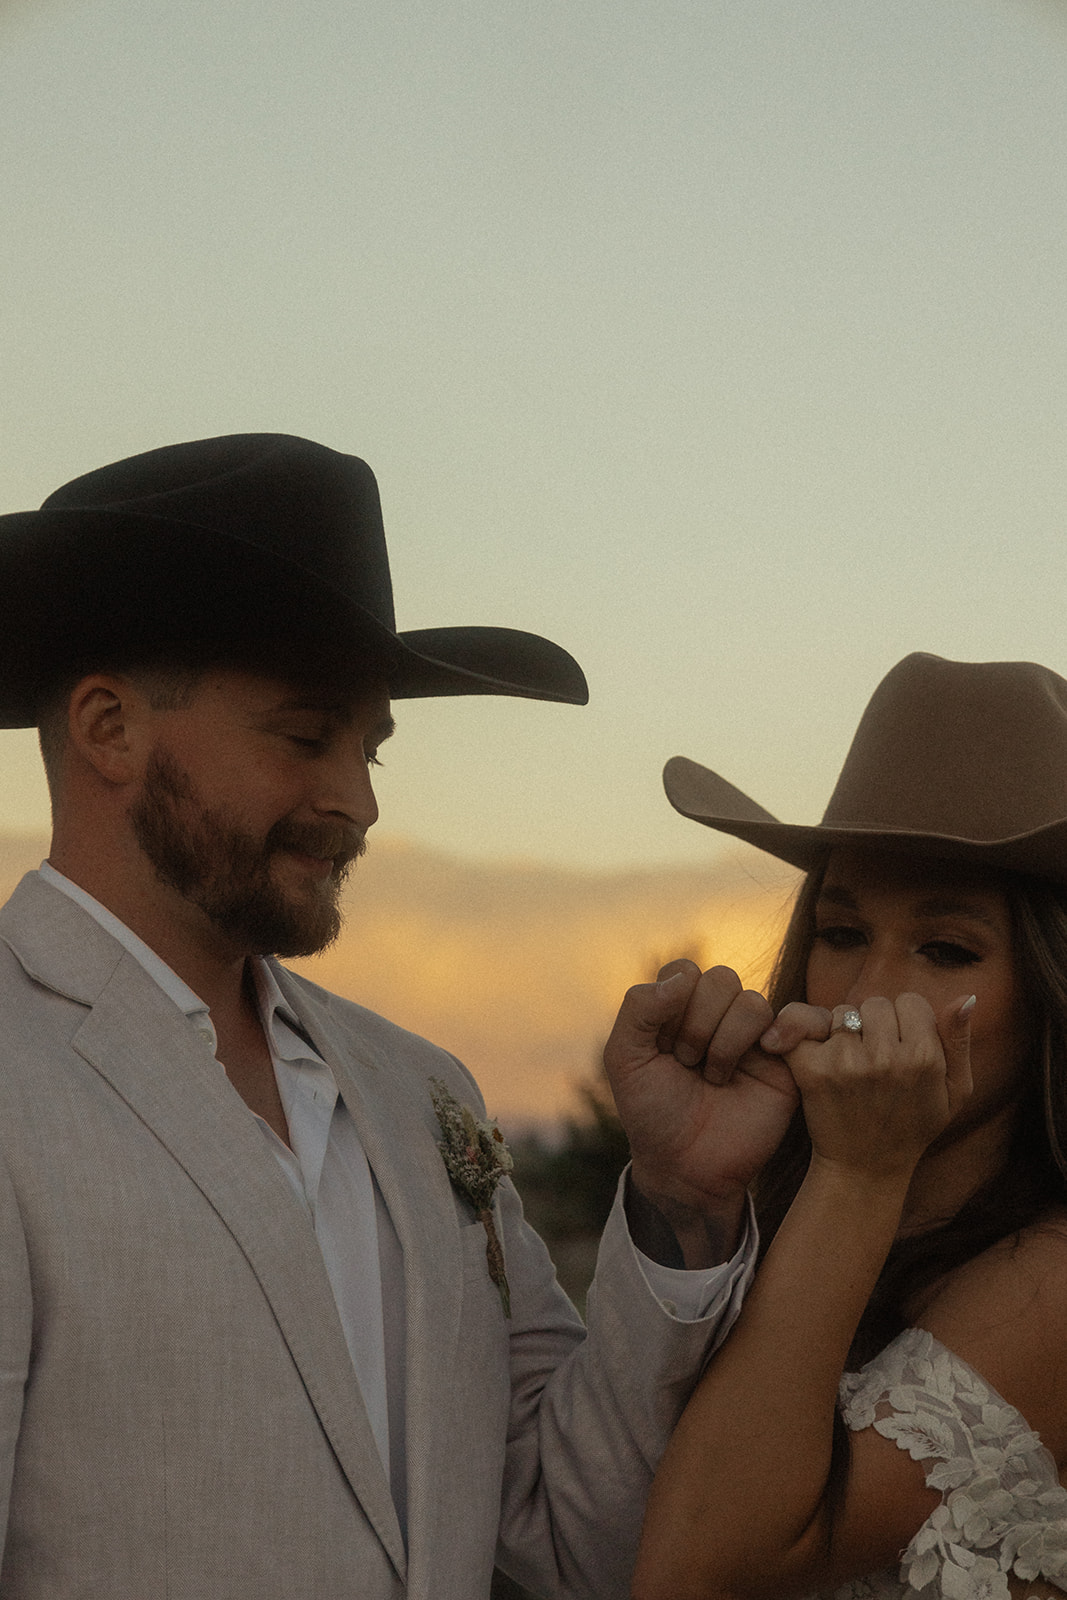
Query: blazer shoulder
pixel 56 943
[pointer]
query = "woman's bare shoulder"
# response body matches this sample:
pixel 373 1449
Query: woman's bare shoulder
pixel 1005 1314
pixel 1024 1266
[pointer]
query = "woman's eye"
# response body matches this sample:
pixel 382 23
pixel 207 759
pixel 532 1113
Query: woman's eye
pixel 840 938
pixel 944 953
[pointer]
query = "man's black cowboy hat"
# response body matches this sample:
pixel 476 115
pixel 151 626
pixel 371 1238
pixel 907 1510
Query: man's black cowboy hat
pixel 262 547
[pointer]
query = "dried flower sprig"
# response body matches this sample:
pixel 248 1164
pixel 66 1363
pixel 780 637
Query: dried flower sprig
pixel 476 1157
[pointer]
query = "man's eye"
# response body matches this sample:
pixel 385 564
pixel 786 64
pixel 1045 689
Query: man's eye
pixel 944 953
pixel 839 938
pixel 304 743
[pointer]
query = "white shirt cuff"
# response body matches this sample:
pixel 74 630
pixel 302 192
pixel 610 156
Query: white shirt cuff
pixel 711 1292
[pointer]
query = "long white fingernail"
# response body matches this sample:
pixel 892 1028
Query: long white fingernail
pixel 665 984
pixel 967 1007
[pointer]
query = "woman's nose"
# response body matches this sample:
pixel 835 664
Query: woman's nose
pixel 879 975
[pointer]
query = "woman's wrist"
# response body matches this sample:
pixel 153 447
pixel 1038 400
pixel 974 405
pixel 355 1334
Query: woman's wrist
pixel 885 1185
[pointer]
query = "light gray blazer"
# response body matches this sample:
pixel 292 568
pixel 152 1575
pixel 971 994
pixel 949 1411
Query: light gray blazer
pixel 179 1418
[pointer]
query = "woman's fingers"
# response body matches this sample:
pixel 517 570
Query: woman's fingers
pixel 793 1023
pixel 876 1096
pixel 883 1024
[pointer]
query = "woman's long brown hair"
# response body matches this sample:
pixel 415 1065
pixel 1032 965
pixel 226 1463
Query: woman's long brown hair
pixel 1032 1181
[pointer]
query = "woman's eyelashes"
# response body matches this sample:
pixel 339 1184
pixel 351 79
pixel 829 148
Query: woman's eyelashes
pixel 947 953
pixel 939 952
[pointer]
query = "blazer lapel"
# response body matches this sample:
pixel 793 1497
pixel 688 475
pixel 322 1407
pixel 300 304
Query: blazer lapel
pixel 140 1043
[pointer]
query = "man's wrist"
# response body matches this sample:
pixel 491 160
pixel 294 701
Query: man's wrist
pixel 677 1233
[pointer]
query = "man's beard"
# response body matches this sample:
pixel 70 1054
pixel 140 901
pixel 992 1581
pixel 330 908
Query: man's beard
pixel 226 872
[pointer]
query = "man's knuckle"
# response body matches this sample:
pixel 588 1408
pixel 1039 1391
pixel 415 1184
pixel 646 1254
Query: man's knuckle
pixel 754 1004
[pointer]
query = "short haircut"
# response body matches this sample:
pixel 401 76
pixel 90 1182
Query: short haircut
pixel 168 688
pixel 171 678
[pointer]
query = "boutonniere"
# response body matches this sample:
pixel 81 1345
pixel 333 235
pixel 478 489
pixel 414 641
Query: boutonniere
pixel 476 1157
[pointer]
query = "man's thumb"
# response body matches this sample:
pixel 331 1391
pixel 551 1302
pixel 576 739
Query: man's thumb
pixel 648 1018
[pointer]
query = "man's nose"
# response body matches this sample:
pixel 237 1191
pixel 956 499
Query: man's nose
pixel 346 789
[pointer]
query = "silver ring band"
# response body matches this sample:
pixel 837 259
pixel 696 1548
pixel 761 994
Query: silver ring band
pixel 851 1022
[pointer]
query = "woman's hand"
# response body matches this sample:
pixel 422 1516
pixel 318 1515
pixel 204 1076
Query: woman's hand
pixel 875 1100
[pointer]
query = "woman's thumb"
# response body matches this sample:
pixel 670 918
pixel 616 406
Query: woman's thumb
pixel 955 1033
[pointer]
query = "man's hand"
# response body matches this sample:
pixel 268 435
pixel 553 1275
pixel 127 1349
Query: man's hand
pixel 704 1104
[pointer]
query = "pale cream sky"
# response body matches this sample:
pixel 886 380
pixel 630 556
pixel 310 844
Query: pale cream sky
pixel 725 343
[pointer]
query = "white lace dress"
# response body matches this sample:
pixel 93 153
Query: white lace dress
pixel 1003 1510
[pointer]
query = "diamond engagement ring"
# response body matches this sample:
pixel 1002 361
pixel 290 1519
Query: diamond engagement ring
pixel 851 1022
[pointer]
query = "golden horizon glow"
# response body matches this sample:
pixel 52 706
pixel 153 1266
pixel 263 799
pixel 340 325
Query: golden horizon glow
pixel 525 990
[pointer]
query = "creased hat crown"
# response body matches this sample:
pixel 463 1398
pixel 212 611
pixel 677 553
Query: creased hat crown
pixel 280 495
pixel 965 760
pixel 264 547
pixel 973 750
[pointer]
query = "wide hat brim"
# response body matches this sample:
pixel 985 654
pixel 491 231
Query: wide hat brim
pixel 704 796
pixel 80 584
pixel 960 761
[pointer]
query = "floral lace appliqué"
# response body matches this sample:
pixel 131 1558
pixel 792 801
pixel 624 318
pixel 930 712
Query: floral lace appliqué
pixel 1003 1510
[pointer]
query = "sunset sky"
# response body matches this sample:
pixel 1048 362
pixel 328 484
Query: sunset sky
pixel 724 343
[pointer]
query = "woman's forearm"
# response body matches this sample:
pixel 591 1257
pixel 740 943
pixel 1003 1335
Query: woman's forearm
pixel 738 1505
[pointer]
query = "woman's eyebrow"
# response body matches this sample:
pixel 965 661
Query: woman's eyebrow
pixel 931 906
pixel 936 905
pixel 945 906
pixel 838 895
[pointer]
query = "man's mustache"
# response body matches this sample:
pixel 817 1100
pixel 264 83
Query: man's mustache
pixel 342 846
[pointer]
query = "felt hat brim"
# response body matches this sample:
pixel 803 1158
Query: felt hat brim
pixel 706 797
pixel 80 585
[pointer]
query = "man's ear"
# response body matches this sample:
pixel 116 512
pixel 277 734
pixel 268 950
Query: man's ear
pixel 107 720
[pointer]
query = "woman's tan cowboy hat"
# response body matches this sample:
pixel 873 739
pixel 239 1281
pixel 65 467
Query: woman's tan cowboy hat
pixel 965 760
pixel 263 546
